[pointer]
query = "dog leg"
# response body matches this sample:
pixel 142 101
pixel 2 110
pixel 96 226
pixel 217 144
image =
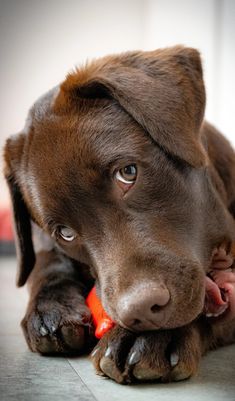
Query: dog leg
pixel 57 319
pixel 169 355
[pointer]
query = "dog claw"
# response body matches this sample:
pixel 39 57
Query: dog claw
pixel 174 359
pixel 43 331
pixel 134 358
pixel 108 352
pixel 94 352
pixel 53 329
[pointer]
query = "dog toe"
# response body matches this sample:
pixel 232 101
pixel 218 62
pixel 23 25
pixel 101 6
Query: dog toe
pixel 73 336
pixel 145 373
pixel 46 345
pixel 181 373
pixel 110 369
pixel 185 368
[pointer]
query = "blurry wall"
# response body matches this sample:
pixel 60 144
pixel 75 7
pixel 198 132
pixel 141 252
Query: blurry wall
pixel 40 41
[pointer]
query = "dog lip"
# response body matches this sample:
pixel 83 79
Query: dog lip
pixel 136 329
pixel 125 327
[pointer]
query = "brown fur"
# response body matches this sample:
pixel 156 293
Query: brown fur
pixel 139 107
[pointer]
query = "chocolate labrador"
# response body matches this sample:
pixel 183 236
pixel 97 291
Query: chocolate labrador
pixel 117 180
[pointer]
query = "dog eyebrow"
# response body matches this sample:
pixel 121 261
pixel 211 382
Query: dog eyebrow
pixel 121 158
pixel 106 152
pixel 49 224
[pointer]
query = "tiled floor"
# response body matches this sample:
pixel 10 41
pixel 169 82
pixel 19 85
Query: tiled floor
pixel 25 376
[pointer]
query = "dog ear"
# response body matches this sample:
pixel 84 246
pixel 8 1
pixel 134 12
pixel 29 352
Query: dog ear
pixel 23 237
pixel 162 90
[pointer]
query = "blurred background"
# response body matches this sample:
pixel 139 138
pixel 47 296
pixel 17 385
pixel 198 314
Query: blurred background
pixel 40 41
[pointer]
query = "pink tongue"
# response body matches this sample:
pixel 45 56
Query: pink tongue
pixel 214 302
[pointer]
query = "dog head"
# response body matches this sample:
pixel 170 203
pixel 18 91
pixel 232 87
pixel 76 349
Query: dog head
pixel 112 165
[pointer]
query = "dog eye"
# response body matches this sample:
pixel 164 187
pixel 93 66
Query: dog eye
pixel 127 174
pixel 67 233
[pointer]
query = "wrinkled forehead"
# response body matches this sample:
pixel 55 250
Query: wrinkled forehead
pixel 96 134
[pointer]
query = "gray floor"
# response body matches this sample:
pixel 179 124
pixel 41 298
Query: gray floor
pixel 27 376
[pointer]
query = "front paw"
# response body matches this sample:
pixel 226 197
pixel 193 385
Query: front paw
pixel 161 355
pixel 58 324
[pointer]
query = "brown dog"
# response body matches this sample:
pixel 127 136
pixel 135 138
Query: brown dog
pixel 123 184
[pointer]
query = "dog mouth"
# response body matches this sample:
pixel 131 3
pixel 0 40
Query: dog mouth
pixel 216 299
pixel 220 288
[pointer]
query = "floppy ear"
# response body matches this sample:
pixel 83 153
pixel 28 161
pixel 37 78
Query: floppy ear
pixel 23 238
pixel 162 90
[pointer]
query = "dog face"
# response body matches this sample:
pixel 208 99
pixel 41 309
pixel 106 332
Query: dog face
pixel 111 165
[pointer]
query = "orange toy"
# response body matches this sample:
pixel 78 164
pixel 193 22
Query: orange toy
pixel 101 320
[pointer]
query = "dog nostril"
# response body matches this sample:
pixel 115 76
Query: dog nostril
pixel 136 321
pixel 156 308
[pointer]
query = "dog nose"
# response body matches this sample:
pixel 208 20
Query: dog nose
pixel 142 307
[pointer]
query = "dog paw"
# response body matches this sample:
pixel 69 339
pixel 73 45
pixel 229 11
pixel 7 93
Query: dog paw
pixel 57 324
pixel 163 356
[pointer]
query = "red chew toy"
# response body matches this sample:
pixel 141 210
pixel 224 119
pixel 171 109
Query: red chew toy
pixel 101 320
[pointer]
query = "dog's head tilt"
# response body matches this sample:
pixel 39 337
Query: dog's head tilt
pixel 113 166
